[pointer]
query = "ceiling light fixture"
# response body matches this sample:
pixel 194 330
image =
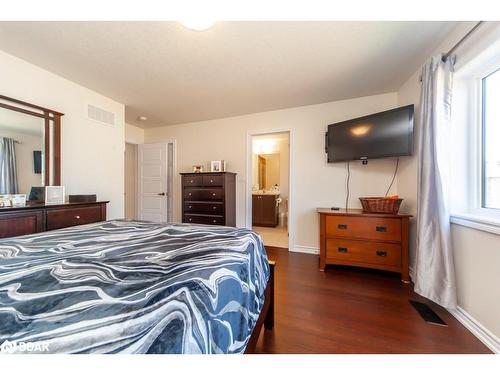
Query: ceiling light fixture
pixel 198 24
pixel 143 118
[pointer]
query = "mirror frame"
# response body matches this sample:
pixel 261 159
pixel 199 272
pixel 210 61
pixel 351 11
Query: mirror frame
pixel 48 115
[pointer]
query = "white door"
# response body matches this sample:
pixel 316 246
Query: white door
pixel 152 182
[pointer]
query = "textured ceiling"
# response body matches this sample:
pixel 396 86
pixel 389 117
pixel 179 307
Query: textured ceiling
pixel 174 75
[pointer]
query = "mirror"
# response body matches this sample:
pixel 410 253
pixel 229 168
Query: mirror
pixel 269 171
pixel 29 146
pixel 22 153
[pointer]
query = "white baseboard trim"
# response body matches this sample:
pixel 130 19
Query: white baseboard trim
pixel 304 249
pixel 477 329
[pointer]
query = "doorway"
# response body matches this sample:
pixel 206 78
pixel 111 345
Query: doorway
pixel 270 165
pixel 149 172
pixel 130 181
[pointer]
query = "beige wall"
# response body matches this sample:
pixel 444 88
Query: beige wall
pixel 314 182
pixel 477 253
pixel 134 134
pixel 92 153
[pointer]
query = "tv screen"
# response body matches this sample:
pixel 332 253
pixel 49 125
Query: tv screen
pixel 384 134
pixel 37 162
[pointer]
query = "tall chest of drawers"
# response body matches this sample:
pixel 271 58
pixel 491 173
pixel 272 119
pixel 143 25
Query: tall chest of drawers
pixel 209 198
pixel 355 238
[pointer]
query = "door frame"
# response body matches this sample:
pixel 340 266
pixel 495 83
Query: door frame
pixel 291 176
pixel 136 182
pixel 170 192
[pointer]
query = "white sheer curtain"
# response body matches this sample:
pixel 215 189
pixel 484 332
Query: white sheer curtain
pixel 8 172
pixel 434 268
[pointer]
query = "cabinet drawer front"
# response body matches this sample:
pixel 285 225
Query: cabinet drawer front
pixel 19 224
pixel 67 217
pixel 203 219
pixel 381 253
pixel 374 228
pixel 204 208
pixel 212 180
pixel 203 194
pixel 192 180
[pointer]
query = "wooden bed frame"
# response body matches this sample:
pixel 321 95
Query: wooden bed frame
pixel 266 316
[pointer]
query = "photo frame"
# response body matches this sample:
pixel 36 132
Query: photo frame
pixel 5 200
pixel 215 166
pixel 54 195
pixel 18 200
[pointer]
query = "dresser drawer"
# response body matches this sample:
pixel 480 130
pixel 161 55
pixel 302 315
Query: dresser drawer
pixel 380 253
pixel 67 217
pixel 203 194
pixel 204 207
pixel 212 180
pixel 21 223
pixel 374 228
pixel 192 180
pixel 203 219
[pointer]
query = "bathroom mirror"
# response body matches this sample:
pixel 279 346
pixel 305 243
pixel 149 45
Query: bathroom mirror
pixel 29 146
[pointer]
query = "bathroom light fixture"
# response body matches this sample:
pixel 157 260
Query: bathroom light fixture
pixel 198 24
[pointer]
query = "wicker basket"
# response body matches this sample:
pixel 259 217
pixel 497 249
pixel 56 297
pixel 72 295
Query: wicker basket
pixel 380 205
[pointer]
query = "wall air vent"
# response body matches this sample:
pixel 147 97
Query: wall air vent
pixel 100 115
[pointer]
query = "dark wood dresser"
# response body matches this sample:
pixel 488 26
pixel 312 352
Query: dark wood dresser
pixel 209 198
pixel 355 238
pixel 265 210
pixel 38 217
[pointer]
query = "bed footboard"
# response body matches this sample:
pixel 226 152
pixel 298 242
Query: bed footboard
pixel 266 317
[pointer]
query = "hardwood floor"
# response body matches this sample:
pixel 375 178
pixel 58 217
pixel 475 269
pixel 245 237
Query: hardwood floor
pixel 349 310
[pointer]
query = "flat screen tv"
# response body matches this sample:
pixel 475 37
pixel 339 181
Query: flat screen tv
pixel 381 135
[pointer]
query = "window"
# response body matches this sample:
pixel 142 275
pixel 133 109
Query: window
pixel 490 163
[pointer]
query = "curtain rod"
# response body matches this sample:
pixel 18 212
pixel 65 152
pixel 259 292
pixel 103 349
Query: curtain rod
pixel 464 38
pixel 452 49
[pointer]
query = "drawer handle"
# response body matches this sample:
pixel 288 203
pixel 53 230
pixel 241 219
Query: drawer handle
pixel 190 219
pixel 342 249
pixel 211 181
pixel 214 207
pixel 213 194
pixel 77 217
pixel 381 253
pixel 191 181
pixel 381 229
pixel 189 194
pixel 342 226
pixel 214 221
pixel 190 206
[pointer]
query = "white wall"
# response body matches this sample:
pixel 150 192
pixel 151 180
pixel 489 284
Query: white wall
pixel 92 153
pixel 314 183
pixel 134 134
pixel 477 253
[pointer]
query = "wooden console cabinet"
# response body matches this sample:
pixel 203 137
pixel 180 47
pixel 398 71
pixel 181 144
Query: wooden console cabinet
pixel 265 210
pixel 355 238
pixel 38 217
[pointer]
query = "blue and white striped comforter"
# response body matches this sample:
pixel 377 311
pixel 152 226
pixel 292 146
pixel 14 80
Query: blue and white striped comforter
pixel 132 287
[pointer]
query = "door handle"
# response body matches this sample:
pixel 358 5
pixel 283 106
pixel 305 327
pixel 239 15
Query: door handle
pixel 162 194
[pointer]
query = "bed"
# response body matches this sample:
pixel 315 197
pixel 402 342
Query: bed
pixel 135 287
